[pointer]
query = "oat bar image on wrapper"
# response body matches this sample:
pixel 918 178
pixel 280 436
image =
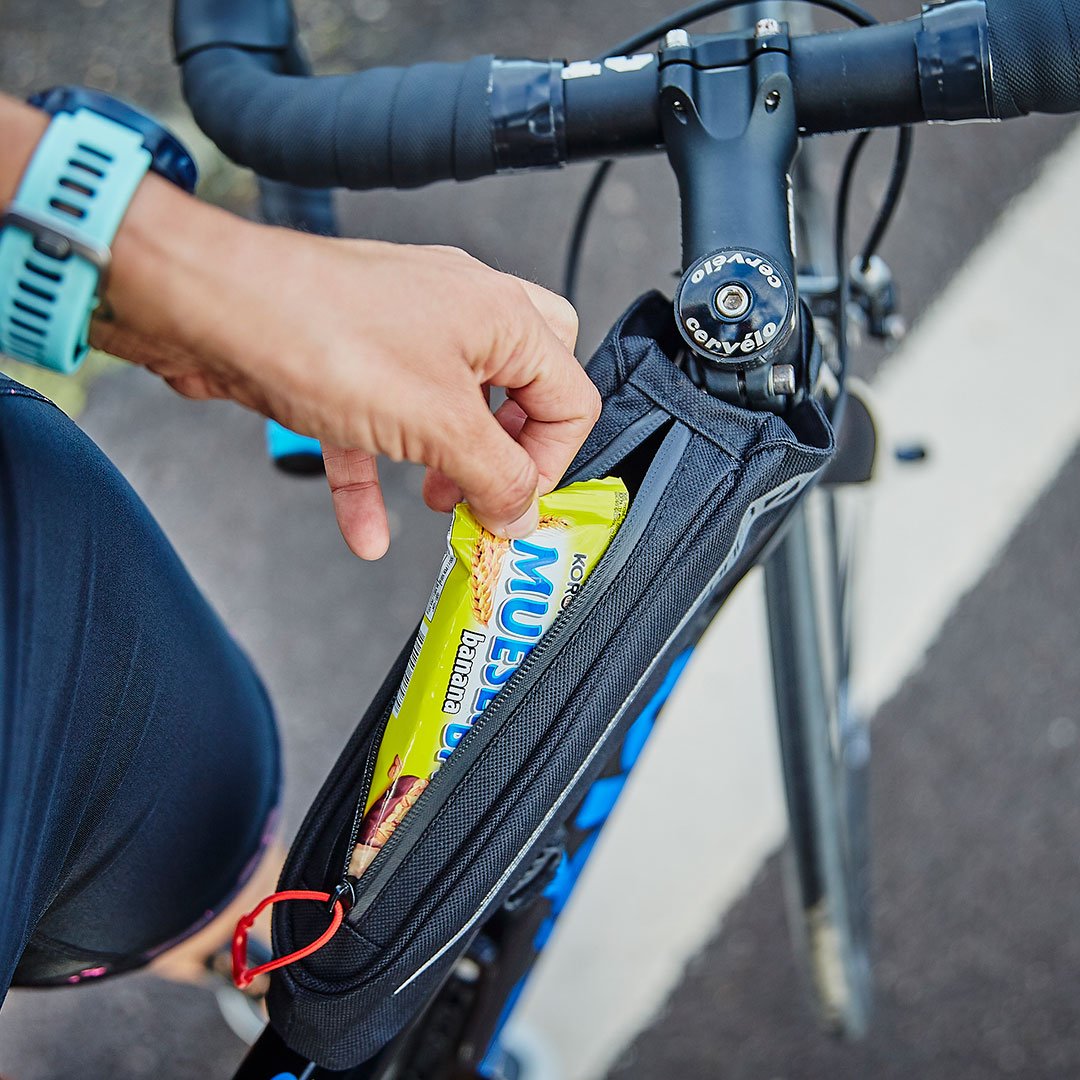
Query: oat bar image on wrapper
pixel 492 602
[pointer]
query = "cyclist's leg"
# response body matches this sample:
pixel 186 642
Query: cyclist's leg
pixel 138 757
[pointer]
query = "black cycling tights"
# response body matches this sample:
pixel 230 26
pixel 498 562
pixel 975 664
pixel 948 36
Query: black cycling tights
pixel 138 756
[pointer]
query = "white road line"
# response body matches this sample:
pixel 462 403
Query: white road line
pixel 1003 416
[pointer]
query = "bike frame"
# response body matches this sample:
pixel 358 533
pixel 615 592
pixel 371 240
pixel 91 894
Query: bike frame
pixel 474 1004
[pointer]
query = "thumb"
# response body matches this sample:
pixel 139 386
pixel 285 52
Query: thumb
pixel 496 475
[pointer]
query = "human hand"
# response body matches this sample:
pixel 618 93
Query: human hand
pixel 372 348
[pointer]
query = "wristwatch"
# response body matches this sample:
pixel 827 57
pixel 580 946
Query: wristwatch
pixel 54 243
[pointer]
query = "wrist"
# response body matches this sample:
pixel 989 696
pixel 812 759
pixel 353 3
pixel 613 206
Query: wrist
pixel 173 261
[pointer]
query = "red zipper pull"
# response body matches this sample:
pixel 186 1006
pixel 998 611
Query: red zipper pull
pixel 243 976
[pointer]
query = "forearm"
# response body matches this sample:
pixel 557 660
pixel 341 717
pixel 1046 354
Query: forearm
pixel 329 338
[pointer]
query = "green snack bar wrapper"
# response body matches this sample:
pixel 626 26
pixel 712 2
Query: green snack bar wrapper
pixel 492 602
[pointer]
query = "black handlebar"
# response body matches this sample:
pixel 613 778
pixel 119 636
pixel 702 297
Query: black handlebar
pixel 385 127
pixel 404 127
pixel 1035 47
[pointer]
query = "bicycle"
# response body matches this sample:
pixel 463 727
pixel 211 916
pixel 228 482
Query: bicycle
pixel 937 66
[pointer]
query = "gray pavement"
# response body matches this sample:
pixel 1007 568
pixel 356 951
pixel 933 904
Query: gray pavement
pixel 976 768
pixel 976 819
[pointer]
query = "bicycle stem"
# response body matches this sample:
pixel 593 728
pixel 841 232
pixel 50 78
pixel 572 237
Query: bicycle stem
pixel 727 111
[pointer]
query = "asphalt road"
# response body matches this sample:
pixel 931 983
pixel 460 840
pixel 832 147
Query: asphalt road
pixel 976 770
pixel 975 812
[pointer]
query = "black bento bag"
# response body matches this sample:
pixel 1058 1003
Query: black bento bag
pixel 709 483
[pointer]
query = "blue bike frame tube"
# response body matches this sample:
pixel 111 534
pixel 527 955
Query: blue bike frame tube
pixel 582 834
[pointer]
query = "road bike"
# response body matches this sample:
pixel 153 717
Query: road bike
pixel 763 312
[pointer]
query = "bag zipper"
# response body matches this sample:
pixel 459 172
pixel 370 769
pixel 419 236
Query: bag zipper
pixel 628 440
pixel 346 890
pixel 363 891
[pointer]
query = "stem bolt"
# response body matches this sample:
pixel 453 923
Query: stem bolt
pixel 782 378
pixel 676 39
pixel 766 28
pixel 732 301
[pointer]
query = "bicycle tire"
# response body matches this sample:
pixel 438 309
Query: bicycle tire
pixel 824 750
pixel 809 584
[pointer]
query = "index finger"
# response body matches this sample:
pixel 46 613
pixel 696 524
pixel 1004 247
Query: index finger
pixel 560 404
pixel 555 310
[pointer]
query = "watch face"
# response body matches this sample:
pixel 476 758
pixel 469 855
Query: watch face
pixel 168 156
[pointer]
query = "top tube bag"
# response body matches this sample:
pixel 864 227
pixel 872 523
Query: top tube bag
pixel 709 485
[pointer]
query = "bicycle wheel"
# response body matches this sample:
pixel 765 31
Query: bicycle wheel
pixel 824 743
pixel 825 755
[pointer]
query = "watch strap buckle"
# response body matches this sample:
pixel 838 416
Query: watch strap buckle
pixel 54 239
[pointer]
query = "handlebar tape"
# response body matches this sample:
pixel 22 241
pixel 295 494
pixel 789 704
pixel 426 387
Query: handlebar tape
pixel 384 127
pixel 1035 50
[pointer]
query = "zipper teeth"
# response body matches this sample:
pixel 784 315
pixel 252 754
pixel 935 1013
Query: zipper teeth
pixel 372 754
pixel 470 737
pixel 545 645
pixel 365 786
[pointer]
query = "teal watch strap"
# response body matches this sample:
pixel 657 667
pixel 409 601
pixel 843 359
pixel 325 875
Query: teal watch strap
pixel 76 188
